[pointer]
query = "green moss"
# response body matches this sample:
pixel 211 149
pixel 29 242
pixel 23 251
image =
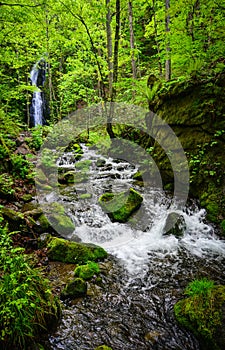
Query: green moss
pixel 103 347
pixel 84 164
pixel 120 206
pixel 87 271
pixel 44 222
pixel 222 224
pixel 201 311
pixel 85 196
pixel 212 211
pixel 71 177
pixel 60 249
pixel 76 288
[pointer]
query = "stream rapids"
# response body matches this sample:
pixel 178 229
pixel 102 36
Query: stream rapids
pixel 133 307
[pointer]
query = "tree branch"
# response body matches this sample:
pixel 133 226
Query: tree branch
pixel 21 5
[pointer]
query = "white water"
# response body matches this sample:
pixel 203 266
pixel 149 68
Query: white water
pixel 139 297
pixel 37 101
pixel 135 243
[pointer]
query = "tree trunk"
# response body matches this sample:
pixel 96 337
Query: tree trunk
pixel 156 38
pixel 168 49
pixel 132 46
pixel 116 44
pixel 109 49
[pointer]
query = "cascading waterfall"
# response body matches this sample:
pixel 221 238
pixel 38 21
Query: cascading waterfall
pixel 37 108
pixel 134 308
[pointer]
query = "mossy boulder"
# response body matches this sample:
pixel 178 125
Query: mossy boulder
pixel 60 249
pixel 72 177
pixel 76 149
pixel 175 225
pixel 87 271
pixel 120 206
pixel 57 218
pixel 203 312
pixel 74 289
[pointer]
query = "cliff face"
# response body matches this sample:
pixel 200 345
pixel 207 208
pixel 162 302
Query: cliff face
pixel 195 110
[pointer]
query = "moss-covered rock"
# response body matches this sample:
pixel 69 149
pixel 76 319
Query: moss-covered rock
pixel 57 218
pixel 120 206
pixel 103 347
pixel 72 177
pixel 203 312
pixel 60 249
pixel 74 289
pixel 76 149
pixel 85 196
pixel 87 271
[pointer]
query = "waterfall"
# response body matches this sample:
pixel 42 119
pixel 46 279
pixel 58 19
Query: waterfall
pixel 38 107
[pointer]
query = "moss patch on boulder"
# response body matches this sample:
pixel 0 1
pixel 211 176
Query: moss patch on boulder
pixel 74 289
pixel 87 271
pixel 58 220
pixel 103 347
pixel 60 249
pixel 120 206
pixel 202 312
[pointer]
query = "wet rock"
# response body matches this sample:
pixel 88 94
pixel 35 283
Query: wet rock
pixel 60 249
pixel 87 271
pixel 120 206
pixel 100 163
pixel 74 289
pixel 175 225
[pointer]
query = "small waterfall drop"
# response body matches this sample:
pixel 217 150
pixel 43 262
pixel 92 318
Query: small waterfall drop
pixel 37 108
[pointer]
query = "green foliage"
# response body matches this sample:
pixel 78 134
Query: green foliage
pixel 6 183
pixel 201 311
pixel 20 166
pixel 199 288
pixel 27 304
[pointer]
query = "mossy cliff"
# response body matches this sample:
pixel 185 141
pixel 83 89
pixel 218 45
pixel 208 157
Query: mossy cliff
pixel 195 111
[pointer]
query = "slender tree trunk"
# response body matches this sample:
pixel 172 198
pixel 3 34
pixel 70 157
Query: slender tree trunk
pixel 109 48
pixel 116 44
pixel 132 45
pixel 156 38
pixel 168 49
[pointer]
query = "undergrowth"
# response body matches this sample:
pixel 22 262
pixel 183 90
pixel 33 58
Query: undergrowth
pixel 27 305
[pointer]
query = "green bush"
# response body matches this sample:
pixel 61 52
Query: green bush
pixel 27 306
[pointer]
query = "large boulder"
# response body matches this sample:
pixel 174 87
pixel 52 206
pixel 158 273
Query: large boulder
pixel 175 225
pixel 120 206
pixel 60 249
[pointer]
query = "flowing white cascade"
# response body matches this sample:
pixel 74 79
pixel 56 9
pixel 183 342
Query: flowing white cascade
pixel 131 243
pixel 37 106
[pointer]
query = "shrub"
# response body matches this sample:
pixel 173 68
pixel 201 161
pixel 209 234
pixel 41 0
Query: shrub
pixel 27 305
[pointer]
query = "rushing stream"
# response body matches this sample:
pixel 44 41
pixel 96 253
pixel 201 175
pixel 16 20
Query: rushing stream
pixel 133 308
